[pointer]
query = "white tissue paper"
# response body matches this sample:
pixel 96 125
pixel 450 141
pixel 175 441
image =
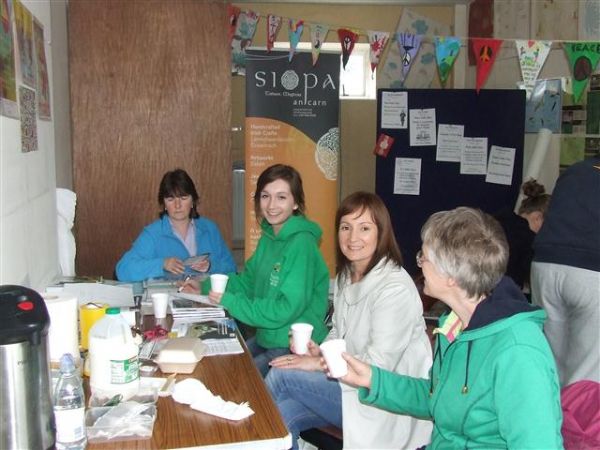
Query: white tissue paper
pixel 65 208
pixel 193 392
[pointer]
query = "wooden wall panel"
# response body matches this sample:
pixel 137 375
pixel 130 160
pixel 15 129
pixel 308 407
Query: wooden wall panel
pixel 150 91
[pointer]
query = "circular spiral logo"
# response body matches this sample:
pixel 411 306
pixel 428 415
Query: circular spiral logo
pixel 290 80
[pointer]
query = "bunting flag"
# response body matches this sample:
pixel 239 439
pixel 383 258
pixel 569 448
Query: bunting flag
pixel 583 58
pixel 294 33
pixel 377 41
pixel 446 51
pixel 242 38
pixel 318 33
pixel 408 44
pixel 232 13
pixel 532 56
pixel 485 51
pixel 347 39
pixel 273 26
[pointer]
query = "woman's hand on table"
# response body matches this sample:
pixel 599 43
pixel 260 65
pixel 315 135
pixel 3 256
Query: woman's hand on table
pixel 201 266
pixel 173 265
pixel 190 286
pixel 298 362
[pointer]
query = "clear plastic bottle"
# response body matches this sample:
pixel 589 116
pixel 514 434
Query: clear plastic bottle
pixel 69 407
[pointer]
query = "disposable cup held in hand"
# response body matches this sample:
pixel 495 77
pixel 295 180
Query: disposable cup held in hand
pixel 332 352
pixel 301 333
pixel 218 282
pixel 159 303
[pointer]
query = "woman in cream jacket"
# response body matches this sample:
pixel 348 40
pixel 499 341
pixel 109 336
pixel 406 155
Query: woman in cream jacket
pixel 378 313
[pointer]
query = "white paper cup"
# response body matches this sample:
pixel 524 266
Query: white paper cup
pixel 301 333
pixel 218 282
pixel 159 303
pixel 332 352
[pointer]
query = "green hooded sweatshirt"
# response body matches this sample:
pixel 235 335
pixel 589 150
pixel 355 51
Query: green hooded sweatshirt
pixel 495 386
pixel 284 281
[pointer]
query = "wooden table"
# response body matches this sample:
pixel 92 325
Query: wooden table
pixel 234 378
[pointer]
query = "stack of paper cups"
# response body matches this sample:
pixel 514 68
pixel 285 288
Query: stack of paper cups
pixel 62 334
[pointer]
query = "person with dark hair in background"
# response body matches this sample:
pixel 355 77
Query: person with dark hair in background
pixel 163 247
pixel 286 280
pixel 493 383
pixel 378 312
pixel 520 230
pixel 565 275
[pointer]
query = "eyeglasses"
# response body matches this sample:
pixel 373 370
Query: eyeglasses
pixel 420 258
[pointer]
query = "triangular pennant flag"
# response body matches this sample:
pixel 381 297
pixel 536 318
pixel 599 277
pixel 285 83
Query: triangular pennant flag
pixel 408 44
pixel 446 51
pixel 377 41
pixel 232 13
pixel 294 33
pixel 532 55
pixel 485 51
pixel 273 26
pixel 318 33
pixel 583 57
pixel 347 39
pixel 244 32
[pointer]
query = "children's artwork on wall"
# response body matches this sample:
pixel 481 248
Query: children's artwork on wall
pixel 543 109
pixel 24 27
pixel 43 87
pixel 242 38
pixel 424 68
pixel 8 86
pixel 28 120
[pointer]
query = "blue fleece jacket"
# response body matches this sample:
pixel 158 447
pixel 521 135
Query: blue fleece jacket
pixel 158 241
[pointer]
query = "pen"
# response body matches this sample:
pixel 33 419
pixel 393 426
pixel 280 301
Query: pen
pixel 184 281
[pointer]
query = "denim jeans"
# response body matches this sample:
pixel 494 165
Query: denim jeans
pixel 305 399
pixel 262 355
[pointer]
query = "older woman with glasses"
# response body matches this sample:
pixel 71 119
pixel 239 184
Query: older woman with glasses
pixel 493 383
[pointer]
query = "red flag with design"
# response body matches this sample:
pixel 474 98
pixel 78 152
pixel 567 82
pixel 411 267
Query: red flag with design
pixel 485 51
pixel 273 26
pixel 232 14
pixel 347 39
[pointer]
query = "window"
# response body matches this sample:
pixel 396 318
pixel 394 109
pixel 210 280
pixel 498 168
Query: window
pixel 357 81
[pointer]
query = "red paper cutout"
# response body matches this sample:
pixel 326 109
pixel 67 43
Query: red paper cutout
pixel 486 51
pixel 383 146
pixel 347 39
pixel 232 13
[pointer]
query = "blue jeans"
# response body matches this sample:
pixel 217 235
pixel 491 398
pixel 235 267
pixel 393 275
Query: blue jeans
pixel 262 355
pixel 305 399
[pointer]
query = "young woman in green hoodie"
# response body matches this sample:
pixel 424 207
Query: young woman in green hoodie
pixel 286 279
pixel 493 383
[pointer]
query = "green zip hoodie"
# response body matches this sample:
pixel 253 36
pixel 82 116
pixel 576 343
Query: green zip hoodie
pixel 495 386
pixel 284 281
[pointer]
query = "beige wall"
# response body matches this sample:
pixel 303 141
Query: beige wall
pixel 358 117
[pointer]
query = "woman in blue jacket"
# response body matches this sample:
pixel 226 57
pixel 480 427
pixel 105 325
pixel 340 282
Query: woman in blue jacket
pixel 180 242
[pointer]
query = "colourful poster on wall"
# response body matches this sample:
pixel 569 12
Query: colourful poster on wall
pixel 8 86
pixel 24 27
pixel 292 111
pixel 43 86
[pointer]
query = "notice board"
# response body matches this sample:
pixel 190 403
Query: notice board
pixel 436 185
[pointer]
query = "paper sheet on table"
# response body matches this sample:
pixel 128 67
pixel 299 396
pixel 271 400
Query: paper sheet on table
pixel 115 295
pixel 195 298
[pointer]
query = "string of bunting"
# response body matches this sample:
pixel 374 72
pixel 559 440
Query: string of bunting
pixel 583 56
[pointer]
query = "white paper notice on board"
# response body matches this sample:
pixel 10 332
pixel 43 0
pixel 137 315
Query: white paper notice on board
pixel 501 165
pixel 407 176
pixel 394 110
pixel 422 127
pixel 473 159
pixel 449 142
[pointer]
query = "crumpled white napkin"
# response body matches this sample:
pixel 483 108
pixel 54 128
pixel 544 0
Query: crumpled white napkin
pixel 193 392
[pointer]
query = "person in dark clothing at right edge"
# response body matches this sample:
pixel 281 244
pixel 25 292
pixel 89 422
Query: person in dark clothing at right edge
pixel 520 230
pixel 565 274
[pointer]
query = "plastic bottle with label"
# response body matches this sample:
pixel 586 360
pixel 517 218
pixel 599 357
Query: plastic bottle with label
pixel 113 354
pixel 69 407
